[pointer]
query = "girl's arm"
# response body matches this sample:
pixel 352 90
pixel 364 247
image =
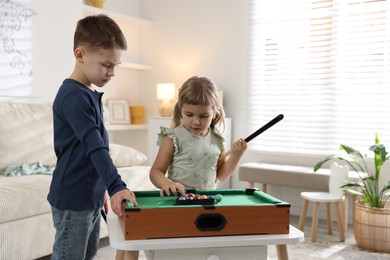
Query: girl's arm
pixel 227 166
pixel 160 167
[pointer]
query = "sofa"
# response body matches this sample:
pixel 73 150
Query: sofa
pixel 26 137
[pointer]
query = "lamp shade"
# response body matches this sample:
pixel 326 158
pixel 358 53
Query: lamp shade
pixel 165 91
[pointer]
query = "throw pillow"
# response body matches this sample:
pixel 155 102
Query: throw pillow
pixel 124 156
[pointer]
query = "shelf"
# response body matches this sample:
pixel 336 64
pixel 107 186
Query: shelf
pixel 125 127
pixel 135 66
pixel 90 10
pixel 130 25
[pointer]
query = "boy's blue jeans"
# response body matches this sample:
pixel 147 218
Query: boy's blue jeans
pixel 77 234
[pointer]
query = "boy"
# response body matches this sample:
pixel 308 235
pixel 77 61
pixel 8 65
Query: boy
pixel 85 175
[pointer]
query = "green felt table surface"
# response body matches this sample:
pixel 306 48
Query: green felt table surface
pixel 230 197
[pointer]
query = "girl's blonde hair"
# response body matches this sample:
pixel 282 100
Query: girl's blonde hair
pixel 199 91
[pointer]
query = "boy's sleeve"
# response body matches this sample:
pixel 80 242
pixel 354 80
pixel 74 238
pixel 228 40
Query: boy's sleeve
pixel 103 163
pixel 82 118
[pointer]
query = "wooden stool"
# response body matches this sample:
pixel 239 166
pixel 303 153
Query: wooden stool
pixel 335 195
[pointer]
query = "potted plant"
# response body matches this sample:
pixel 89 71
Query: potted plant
pixel 372 210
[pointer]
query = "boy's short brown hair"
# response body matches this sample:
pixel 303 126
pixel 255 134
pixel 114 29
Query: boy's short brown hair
pixel 99 31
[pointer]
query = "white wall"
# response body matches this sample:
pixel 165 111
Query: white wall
pixel 202 37
pixel 53 28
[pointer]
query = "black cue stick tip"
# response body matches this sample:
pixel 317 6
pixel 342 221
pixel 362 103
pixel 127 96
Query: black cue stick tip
pixel 265 127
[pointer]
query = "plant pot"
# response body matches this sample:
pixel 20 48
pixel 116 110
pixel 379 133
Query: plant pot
pixel 372 227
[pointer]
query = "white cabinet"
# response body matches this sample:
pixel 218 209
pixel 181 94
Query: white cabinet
pixel 154 123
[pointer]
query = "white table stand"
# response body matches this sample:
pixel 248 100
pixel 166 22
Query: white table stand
pixel 196 248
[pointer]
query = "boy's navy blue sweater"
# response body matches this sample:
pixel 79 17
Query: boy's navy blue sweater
pixel 84 167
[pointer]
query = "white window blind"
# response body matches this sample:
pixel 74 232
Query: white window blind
pixel 325 65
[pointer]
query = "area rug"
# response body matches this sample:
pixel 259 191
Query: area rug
pixel 306 250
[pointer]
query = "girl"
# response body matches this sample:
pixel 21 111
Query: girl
pixel 193 150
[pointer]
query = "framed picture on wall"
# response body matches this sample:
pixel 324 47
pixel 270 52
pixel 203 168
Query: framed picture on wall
pixel 118 111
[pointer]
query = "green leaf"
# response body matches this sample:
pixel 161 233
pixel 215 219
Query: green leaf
pixel 367 188
pixel 386 187
pixel 321 162
pixel 351 151
pixel 352 184
pixel 354 192
pixel 369 178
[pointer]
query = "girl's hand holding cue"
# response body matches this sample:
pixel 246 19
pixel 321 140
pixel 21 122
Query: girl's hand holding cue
pixel 238 149
pixel 279 117
pixel 226 166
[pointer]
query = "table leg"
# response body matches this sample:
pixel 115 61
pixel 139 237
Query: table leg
pixel 126 255
pixel 329 216
pixel 314 224
pixel 340 221
pixel 264 187
pixel 302 217
pixel 346 212
pixel 251 184
pixel 281 251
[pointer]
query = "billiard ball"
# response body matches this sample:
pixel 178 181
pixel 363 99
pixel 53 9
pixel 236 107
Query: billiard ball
pixel 218 197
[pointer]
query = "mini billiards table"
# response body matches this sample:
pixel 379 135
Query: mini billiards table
pixel 240 212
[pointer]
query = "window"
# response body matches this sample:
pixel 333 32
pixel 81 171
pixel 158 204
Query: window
pixel 325 65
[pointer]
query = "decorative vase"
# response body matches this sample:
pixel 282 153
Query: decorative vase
pixel 97 3
pixel 372 227
pixel 136 113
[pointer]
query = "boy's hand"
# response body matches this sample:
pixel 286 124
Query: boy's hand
pixel 117 199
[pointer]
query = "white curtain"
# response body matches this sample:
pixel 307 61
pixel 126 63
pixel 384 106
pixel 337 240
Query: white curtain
pixel 325 65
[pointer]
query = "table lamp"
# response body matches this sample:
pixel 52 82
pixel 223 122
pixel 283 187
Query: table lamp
pixel 165 92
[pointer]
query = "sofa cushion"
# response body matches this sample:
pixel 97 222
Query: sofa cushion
pixel 26 196
pixel 22 197
pixel 26 134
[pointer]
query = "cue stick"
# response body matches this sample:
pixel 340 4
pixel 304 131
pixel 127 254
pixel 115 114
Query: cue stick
pixel 257 132
pixel 103 215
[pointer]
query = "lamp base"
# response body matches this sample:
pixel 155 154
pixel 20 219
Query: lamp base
pixel 166 109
